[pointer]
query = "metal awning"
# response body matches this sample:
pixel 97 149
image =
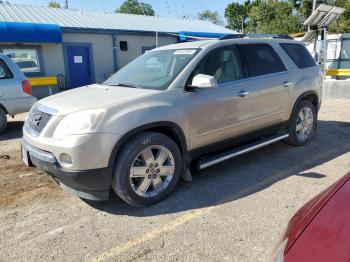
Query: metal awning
pixel 29 33
pixel 193 36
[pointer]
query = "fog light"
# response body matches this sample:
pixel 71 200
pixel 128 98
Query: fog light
pixel 66 159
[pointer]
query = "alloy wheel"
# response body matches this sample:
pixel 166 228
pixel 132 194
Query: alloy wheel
pixel 152 171
pixel 305 124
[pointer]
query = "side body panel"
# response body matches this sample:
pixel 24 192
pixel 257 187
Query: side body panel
pixel 218 114
pixel 271 99
pixel 12 96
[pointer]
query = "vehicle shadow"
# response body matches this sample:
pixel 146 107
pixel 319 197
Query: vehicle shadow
pixel 13 130
pixel 246 174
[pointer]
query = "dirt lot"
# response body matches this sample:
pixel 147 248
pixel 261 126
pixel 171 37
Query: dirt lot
pixel 230 212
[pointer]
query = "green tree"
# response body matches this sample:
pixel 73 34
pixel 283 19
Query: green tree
pixel 281 16
pixel 210 16
pixel 135 7
pixel 237 14
pixel 275 17
pixel 54 4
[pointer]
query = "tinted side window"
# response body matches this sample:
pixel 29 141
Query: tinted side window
pixel 5 72
pixel 262 60
pixel 224 64
pixel 299 54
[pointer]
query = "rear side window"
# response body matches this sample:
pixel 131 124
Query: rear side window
pixel 298 53
pixel 5 72
pixel 262 60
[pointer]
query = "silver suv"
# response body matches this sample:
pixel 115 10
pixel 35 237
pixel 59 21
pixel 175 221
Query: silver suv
pixel 15 91
pixel 202 102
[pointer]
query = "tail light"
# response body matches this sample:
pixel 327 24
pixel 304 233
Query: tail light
pixel 26 87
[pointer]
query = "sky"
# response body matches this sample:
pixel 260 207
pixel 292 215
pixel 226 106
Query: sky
pixel 175 8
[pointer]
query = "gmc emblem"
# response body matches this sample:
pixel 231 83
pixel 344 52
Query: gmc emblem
pixel 36 119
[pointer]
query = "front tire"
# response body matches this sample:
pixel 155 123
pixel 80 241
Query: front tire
pixel 302 124
pixel 147 169
pixel 3 121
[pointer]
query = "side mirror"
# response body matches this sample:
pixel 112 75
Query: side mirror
pixel 204 81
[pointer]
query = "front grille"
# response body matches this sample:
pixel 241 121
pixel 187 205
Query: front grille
pixel 37 120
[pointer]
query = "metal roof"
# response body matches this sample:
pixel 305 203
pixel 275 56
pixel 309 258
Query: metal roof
pixel 67 18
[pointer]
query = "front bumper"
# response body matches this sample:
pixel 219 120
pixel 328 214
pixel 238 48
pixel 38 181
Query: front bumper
pixel 93 184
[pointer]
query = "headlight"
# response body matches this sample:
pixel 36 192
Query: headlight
pixel 81 122
pixel 278 254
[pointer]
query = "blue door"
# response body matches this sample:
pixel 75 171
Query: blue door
pixel 79 65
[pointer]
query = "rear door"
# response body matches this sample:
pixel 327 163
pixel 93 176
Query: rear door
pixel 270 82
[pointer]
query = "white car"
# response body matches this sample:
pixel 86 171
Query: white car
pixel 15 91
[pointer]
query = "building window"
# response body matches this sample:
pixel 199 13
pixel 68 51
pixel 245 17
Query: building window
pixel 123 45
pixel 26 59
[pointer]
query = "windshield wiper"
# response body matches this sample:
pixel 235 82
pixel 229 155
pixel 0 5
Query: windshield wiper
pixel 125 85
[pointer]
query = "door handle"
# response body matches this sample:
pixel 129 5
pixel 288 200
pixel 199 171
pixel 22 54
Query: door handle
pixel 286 84
pixel 243 93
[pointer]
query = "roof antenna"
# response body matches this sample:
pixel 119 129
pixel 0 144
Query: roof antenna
pixel 66 4
pixel 81 9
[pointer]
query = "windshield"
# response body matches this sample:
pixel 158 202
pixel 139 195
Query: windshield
pixel 153 70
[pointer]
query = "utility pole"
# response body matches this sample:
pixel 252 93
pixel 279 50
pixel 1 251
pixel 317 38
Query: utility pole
pixel 314 5
pixel 243 25
pixel 66 4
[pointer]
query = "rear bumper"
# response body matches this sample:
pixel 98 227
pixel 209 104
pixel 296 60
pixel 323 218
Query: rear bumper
pixel 18 105
pixel 93 184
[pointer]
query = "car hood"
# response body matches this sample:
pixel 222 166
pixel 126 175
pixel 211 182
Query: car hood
pixel 327 236
pixel 303 217
pixel 92 96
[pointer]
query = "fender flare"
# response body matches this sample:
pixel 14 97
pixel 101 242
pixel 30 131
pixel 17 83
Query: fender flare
pixel 177 131
pixel 3 108
pixel 303 96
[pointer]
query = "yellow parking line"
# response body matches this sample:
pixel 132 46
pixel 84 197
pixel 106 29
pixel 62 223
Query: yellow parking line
pixel 115 251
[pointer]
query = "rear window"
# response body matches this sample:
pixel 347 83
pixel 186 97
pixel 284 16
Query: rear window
pixel 299 54
pixel 5 72
pixel 262 60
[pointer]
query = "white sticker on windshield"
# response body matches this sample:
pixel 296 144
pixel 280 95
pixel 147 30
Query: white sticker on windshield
pixel 185 52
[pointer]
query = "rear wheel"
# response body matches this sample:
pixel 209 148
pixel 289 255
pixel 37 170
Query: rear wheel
pixel 147 169
pixel 3 121
pixel 302 123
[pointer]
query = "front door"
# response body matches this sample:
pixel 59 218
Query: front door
pixel 219 113
pixel 79 65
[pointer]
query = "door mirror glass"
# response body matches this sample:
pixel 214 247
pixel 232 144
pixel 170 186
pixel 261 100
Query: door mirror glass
pixel 204 81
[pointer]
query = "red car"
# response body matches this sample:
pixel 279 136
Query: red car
pixel 320 230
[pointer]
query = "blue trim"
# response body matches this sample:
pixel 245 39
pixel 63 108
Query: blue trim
pixel 30 33
pixel 191 36
pixel 66 64
pixel 113 31
pixel 40 57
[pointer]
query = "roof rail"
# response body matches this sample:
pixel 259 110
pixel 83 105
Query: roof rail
pixel 235 36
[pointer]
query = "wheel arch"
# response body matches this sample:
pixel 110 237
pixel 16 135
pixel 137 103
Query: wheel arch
pixel 310 96
pixel 3 108
pixel 169 129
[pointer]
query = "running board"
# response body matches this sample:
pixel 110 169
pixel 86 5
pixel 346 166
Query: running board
pixel 213 160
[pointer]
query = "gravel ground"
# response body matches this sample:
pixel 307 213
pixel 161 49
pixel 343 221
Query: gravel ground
pixel 234 211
